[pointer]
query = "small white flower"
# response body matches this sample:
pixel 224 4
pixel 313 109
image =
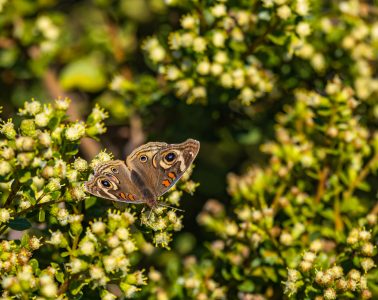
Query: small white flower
pixel 5 168
pixel 157 54
pixel 303 29
pixel 284 12
pixel 87 248
pixel 49 290
pixel 98 227
pixel 33 107
pixel 54 184
pixel 56 238
pixel 218 10
pixel 226 80
pixel 75 132
pixel 188 22
pixel 219 39
pixel 96 272
pixel 203 67
pixel 62 104
pixel 80 164
pixel 42 119
pixel 302 7
pixel 216 69
pixel 199 44
pixel 221 57
pixel 25 204
pixel 77 265
pixel 5 215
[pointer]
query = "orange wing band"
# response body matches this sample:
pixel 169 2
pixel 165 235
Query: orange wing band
pixel 166 183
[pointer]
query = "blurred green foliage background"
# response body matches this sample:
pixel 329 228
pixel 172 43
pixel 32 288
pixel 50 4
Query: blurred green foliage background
pixel 224 73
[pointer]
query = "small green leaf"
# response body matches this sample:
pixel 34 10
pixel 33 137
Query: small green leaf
pixel 86 74
pixel 19 224
pixel 59 277
pixel 89 202
pixel 26 177
pixel 41 216
pixel 34 264
pixel 247 286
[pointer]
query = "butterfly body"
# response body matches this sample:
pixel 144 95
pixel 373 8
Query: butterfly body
pixel 146 174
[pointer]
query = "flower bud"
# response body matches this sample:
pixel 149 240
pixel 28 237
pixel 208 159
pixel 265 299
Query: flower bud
pixel 5 168
pixel 62 104
pixel 25 159
pixel 7 153
pixel 54 185
pixel 8 130
pixel 28 127
pixel 5 215
pixel 25 143
pixel 44 139
pixel 80 164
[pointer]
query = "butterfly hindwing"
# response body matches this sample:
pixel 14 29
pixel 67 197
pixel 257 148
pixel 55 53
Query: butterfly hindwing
pixel 111 180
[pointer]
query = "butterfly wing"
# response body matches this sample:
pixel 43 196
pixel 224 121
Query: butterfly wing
pixel 112 180
pixel 158 166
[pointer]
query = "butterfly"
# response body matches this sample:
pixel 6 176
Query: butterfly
pixel 147 173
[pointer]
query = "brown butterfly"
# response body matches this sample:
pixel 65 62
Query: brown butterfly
pixel 148 172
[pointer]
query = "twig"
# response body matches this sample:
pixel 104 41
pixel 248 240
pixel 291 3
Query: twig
pixel 137 136
pixel 20 213
pixel 321 185
pixel 14 189
pixel 361 176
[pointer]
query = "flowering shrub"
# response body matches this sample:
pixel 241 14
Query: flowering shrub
pixel 304 224
pixel 42 190
pixel 282 92
pixel 246 52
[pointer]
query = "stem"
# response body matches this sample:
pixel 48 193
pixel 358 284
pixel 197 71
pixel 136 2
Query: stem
pixel 322 183
pixel 361 176
pixel 261 38
pixel 20 213
pixel 14 189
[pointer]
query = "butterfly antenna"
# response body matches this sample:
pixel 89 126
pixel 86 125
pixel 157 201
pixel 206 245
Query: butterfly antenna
pixel 172 207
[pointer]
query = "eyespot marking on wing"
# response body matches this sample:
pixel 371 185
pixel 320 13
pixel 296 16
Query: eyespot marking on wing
pixel 172 175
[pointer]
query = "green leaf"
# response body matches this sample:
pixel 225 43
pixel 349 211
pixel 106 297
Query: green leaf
pixel 85 74
pixel 89 202
pixel 26 177
pixel 19 224
pixel 34 264
pixel 59 277
pixel 247 286
pixel 41 216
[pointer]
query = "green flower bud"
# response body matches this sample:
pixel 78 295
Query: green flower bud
pixel 28 127
pixel 76 228
pixel 53 185
pixel 8 129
